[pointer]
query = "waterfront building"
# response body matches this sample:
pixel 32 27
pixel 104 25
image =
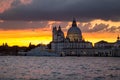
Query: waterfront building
pixel 103 44
pixel 104 48
pixel 117 43
pixel 73 44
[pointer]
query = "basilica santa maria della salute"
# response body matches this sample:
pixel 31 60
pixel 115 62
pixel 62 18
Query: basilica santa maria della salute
pixel 74 33
pixel 73 44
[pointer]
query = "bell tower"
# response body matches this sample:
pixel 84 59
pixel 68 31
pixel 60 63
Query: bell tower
pixel 54 34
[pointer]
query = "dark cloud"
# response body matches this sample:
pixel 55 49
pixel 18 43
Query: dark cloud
pixel 20 25
pixel 65 10
pixel 16 25
pixel 48 25
pixel 99 27
pixel 85 27
pixel 113 29
pixel 88 28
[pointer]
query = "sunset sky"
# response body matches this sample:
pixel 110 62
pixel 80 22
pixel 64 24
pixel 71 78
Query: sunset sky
pixel 25 21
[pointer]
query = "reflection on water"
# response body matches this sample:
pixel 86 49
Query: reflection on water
pixel 59 68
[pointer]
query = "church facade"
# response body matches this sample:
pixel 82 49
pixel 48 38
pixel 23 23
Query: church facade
pixel 74 44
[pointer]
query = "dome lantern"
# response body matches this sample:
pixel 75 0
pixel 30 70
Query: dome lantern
pixel 74 23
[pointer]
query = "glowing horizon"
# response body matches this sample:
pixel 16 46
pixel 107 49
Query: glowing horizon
pixel 46 39
pixel 44 35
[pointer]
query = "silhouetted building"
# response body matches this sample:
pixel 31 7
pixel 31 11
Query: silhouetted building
pixel 74 44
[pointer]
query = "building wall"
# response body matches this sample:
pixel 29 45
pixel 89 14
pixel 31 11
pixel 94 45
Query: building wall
pixel 57 47
pixel 67 48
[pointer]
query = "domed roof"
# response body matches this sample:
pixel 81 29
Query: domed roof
pixel 74 30
pixel 74 33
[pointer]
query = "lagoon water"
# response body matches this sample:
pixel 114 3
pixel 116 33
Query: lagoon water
pixel 59 68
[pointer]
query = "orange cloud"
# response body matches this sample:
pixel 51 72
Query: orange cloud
pixel 1 21
pixel 5 5
pixel 25 1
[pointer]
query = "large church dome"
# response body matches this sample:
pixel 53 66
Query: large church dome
pixel 74 30
pixel 74 33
